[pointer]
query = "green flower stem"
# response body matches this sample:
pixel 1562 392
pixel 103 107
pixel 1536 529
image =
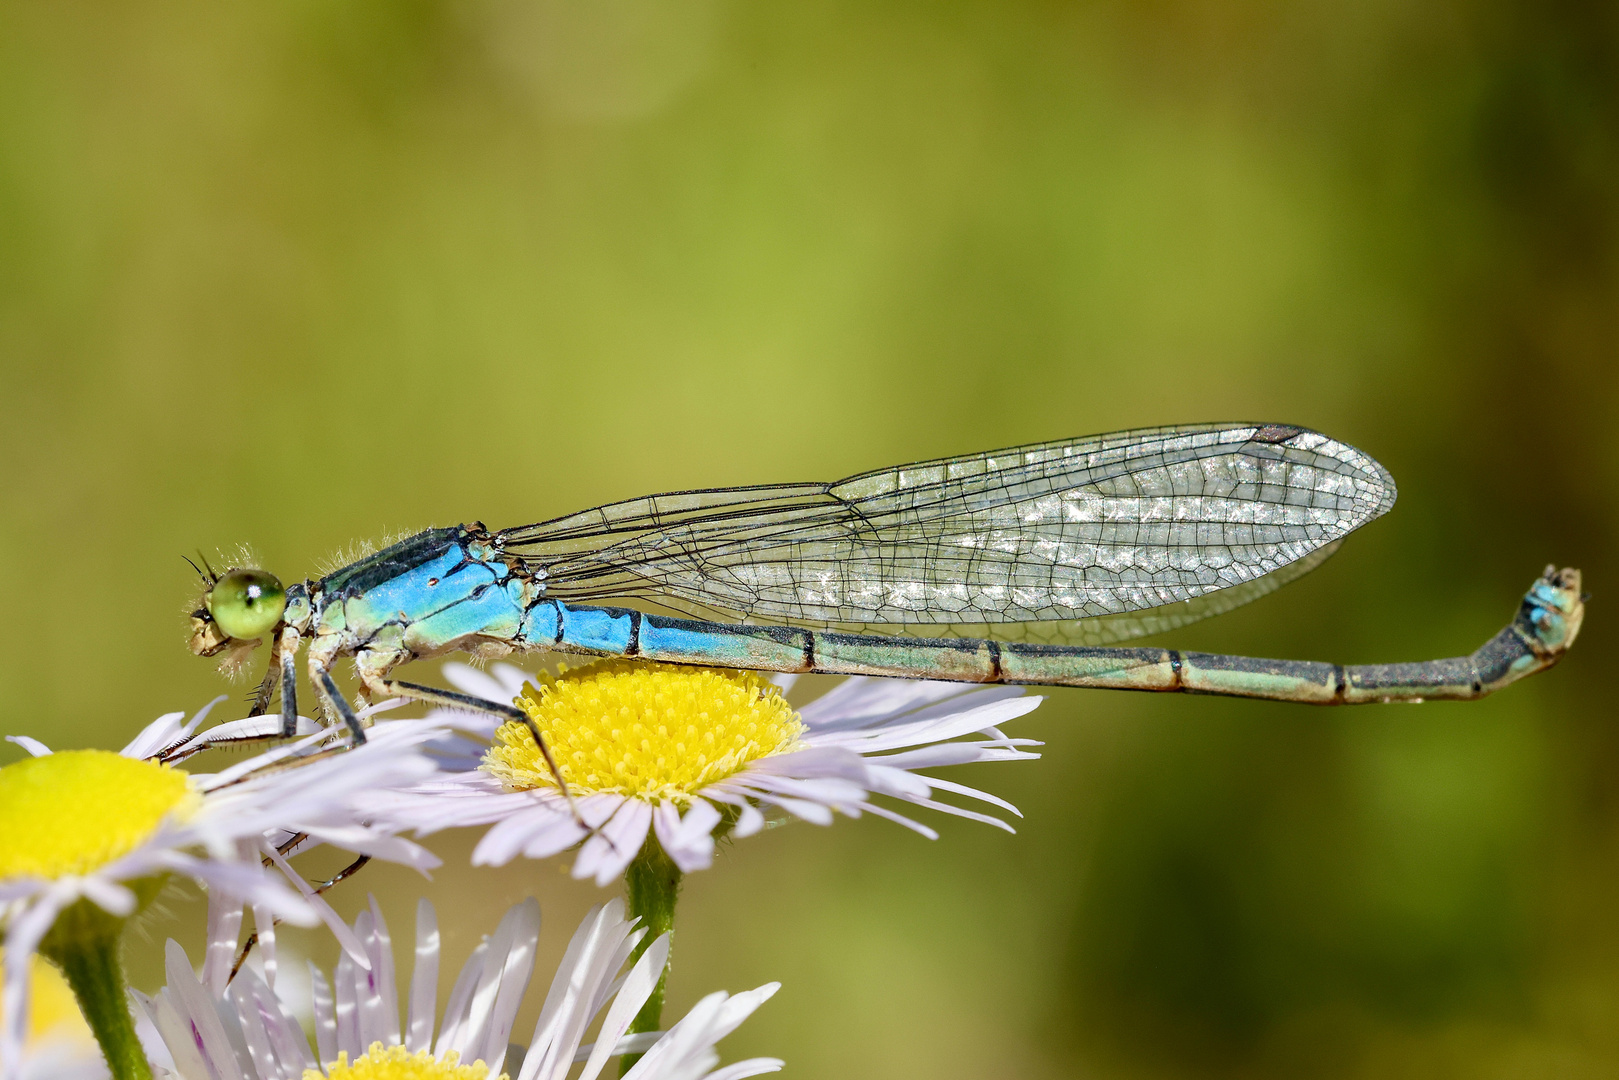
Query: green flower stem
pixel 84 944
pixel 651 887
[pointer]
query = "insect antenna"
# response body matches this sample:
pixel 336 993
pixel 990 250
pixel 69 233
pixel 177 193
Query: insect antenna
pixel 210 577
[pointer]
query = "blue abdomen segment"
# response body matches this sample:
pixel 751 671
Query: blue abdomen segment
pixel 624 632
pixel 1547 622
pixel 597 629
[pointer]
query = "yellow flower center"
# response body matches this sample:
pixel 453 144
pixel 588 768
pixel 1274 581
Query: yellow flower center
pixel 396 1063
pixel 52 1012
pixel 66 814
pixel 649 731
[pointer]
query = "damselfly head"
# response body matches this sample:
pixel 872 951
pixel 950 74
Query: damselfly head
pixel 239 608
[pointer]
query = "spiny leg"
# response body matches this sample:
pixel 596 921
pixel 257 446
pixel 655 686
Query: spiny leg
pixel 342 875
pixel 283 652
pixel 373 665
pixel 344 709
pixel 266 689
pixel 289 697
pixel 286 653
pixel 452 699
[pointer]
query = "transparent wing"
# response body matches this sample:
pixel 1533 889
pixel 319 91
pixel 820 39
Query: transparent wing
pixel 1062 541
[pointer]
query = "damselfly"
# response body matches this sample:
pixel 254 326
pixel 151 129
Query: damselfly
pixel 1018 566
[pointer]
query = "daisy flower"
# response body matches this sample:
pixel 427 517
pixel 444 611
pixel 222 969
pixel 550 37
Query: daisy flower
pixel 681 752
pixel 92 836
pixel 245 1032
pixel 659 758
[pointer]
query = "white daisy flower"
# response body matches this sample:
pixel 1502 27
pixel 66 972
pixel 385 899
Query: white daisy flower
pixel 246 1032
pixel 680 751
pixel 93 835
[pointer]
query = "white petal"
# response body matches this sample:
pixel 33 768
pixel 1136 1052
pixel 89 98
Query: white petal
pixel 334 922
pixel 34 747
pixel 469 680
pixel 615 844
pixel 323 1004
pixel 23 935
pixel 379 1008
pixel 224 928
pixel 592 958
pixel 508 837
pixel 638 986
pixel 107 895
pixel 688 840
pixel 750 1067
pixel 160 732
pixel 197 1009
pixel 423 979
pixel 974 793
pixel 901 819
pixel 507 970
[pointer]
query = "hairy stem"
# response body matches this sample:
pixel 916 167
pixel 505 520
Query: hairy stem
pixel 84 944
pixel 651 887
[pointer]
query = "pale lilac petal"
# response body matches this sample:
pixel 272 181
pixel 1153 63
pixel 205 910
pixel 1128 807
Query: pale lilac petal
pixel 900 819
pixel 751 1067
pixel 379 1007
pixel 334 922
pixel 688 1047
pixel 956 811
pixel 324 1006
pixel 606 854
pixel 749 820
pixel 264 926
pixel 951 753
pixel 594 955
pixel 637 987
pixel 688 840
pixel 501 684
pixel 197 1007
pixel 455 1009
pixel 506 968
pixel 34 747
pixel 864 700
pixel 508 837
pixel 812 812
pixel 108 895
pixel 224 928
pixel 973 793
pixel 23 935
pixel 423 979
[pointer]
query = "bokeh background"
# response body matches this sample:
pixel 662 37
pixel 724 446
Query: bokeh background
pixel 300 273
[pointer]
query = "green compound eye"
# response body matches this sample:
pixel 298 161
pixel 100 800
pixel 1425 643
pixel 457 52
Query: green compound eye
pixel 247 603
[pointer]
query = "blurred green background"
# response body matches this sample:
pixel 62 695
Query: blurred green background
pixel 296 274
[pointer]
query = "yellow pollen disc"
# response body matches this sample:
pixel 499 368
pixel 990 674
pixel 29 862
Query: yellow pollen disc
pixel 649 731
pixel 66 814
pixel 52 1012
pixel 396 1063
